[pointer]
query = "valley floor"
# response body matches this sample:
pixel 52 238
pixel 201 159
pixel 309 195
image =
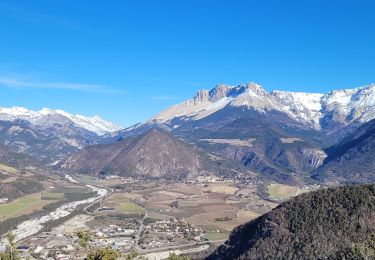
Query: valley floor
pixel 153 218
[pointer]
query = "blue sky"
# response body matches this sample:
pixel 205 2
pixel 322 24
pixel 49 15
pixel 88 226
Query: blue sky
pixel 127 60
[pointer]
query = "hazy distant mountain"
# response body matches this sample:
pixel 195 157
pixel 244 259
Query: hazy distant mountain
pixel 317 225
pixel 352 160
pixel 47 118
pixel 155 154
pixel 49 135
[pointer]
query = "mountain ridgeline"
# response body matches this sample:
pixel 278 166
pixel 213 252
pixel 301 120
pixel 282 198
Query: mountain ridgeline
pixel 153 155
pixel 325 224
pixel 282 136
pixel 49 135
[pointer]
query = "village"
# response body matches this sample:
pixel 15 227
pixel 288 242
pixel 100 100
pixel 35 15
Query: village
pixel 150 218
pixel 73 239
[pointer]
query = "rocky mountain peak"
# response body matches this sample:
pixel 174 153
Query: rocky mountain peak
pixel 255 88
pixel 201 96
pixel 219 92
pixel 333 110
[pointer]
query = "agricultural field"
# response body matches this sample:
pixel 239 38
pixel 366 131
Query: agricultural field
pixel 130 208
pixel 52 195
pixel 216 206
pixel 215 236
pixel 122 204
pixel 282 192
pixel 235 142
pixel 23 206
pixel 89 180
pixel 223 188
pixel 68 188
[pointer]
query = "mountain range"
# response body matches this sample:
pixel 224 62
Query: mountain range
pixel 46 118
pixel 49 135
pixel 328 112
pixel 283 136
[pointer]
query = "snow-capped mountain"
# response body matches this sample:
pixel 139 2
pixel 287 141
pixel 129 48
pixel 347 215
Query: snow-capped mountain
pixel 49 135
pixel 316 111
pixel 48 117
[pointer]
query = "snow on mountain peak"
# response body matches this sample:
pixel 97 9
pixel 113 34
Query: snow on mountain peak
pixel 47 117
pixel 309 108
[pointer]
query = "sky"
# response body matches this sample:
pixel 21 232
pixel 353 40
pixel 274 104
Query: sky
pixel 127 60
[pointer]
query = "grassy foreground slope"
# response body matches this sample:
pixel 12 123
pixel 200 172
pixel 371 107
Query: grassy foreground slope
pixel 317 225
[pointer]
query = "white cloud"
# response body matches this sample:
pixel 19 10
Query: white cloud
pixel 21 83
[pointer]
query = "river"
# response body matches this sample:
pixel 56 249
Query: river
pixel 33 226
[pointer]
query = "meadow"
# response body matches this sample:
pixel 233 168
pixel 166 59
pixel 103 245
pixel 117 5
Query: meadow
pixel 23 206
pixel 282 191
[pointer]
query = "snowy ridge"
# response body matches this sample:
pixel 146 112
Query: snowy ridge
pixel 309 108
pixel 48 117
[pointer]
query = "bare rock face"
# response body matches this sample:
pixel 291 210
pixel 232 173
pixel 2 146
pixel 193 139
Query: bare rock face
pixel 155 154
pixel 315 157
pixel 201 96
pixel 219 92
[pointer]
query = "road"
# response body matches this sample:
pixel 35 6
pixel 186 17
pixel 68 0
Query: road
pixel 161 249
pixel 140 231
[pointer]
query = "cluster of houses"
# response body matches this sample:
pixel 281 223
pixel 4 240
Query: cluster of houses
pixel 174 229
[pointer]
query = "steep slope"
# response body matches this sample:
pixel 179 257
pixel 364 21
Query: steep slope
pixel 352 160
pixel 316 225
pixel 155 154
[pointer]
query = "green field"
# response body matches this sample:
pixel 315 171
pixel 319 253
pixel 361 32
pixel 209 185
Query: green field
pixel 216 236
pixel 281 191
pixel 71 189
pixel 88 180
pixel 22 206
pixel 52 195
pixel 130 208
